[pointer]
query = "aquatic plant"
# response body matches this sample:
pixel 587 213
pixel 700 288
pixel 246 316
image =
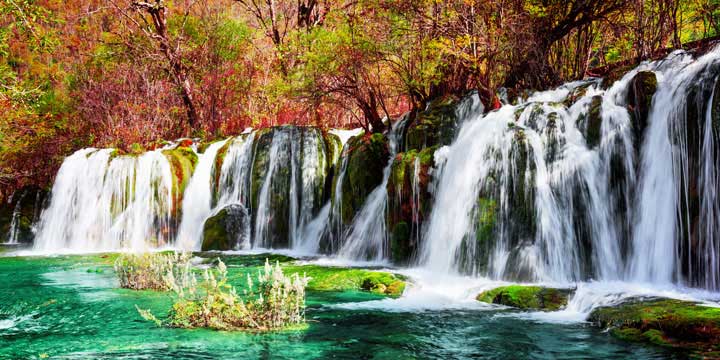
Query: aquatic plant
pixel 272 301
pixel 149 271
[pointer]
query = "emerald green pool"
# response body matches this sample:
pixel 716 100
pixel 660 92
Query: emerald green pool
pixel 68 307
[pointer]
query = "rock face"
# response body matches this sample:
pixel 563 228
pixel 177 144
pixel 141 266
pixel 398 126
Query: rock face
pixel 182 161
pixel 409 201
pixel 367 157
pixel 640 95
pixel 666 322
pixel 227 229
pixel 434 126
pixel 527 297
pixel 19 213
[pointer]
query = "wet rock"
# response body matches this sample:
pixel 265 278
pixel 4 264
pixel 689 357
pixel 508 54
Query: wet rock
pixel 527 297
pixel 24 207
pixel 368 156
pixel 182 161
pixel 640 95
pixel 409 200
pixel 436 125
pixel 666 322
pixel 227 229
pixel 590 124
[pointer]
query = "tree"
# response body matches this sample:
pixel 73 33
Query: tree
pixel 549 21
pixel 150 18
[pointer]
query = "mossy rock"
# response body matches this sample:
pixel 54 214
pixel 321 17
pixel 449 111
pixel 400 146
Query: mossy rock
pixel 667 322
pixel 368 156
pixel 590 123
pixel 527 297
pixel 640 96
pixel 227 229
pixel 407 210
pixel 347 279
pixel 182 164
pixel 278 192
pixel 576 94
pixel 437 125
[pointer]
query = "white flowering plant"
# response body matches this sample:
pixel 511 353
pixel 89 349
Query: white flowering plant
pixel 270 302
pixel 148 271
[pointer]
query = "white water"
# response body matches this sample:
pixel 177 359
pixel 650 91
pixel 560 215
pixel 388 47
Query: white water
pixel 536 151
pixel 664 166
pixel 103 204
pixel 575 207
pixel 14 221
pixel 366 238
pixel 197 199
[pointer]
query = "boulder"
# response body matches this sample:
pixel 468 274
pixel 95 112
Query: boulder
pixel 527 297
pixel 436 125
pixel 640 95
pixel 228 229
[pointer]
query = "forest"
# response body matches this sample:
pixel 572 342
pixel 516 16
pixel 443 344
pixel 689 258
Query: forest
pixel 130 74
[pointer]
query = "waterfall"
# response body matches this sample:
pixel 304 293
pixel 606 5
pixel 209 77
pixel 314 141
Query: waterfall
pixel 100 202
pixel 197 199
pixel 367 235
pixel 679 163
pixel 524 195
pixel 571 184
pixel 14 221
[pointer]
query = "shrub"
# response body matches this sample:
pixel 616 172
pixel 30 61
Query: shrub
pixel 273 301
pixel 149 271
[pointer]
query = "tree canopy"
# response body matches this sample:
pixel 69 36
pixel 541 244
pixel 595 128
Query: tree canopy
pixel 122 72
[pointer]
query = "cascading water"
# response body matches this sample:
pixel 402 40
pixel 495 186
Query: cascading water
pixel 197 200
pixel 14 222
pixel 366 238
pixel 676 236
pixel 560 187
pixel 524 192
pixel 104 203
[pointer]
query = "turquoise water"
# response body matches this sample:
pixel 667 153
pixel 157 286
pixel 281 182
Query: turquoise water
pixel 68 307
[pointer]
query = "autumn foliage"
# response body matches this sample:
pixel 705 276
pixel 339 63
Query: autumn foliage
pixel 115 73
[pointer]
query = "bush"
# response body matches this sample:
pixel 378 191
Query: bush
pixel 275 301
pixel 149 271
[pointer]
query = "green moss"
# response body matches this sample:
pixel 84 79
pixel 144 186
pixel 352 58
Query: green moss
pixel 182 163
pixel 345 279
pixel 400 242
pixel 593 128
pixel 435 126
pixel 486 219
pixel 665 322
pixel 527 297
pixel 368 156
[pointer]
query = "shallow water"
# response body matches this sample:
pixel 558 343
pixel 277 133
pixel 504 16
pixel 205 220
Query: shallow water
pixel 68 307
